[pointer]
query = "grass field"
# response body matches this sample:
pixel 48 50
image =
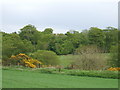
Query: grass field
pixel 30 79
pixel 65 60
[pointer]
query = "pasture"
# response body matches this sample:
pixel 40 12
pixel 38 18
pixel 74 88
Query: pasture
pixel 30 79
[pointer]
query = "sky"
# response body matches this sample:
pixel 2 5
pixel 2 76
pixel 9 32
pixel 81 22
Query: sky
pixel 60 15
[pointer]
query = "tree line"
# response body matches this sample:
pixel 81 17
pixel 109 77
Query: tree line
pixel 29 40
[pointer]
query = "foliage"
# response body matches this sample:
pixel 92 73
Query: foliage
pixel 47 57
pixel 90 58
pixel 30 40
pixel 114 69
pixel 48 31
pixel 64 48
pixel 96 36
pixel 111 38
pixel 113 61
pixel 13 45
pixel 22 59
pixel 88 49
pixel 29 32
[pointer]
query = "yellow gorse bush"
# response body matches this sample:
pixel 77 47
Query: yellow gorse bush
pixel 26 60
pixel 28 64
pixel 114 69
pixel 31 62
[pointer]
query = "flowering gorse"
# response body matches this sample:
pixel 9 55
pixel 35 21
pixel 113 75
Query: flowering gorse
pixel 25 60
pixel 114 69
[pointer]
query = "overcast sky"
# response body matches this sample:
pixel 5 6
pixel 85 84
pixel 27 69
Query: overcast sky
pixel 61 15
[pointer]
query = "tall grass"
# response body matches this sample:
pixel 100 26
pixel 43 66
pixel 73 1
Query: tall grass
pixel 91 61
pixel 96 61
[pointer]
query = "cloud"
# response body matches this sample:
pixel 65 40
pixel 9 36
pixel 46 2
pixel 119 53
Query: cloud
pixel 59 14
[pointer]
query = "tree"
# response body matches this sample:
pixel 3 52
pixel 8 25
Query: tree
pixel 48 31
pixel 96 36
pixel 77 38
pixel 12 45
pixel 30 33
pixel 56 41
pixel 114 60
pixel 111 38
pixel 64 48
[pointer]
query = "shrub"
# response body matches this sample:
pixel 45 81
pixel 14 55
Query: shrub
pixel 113 61
pixel 90 58
pixel 22 59
pixel 47 57
pixel 114 69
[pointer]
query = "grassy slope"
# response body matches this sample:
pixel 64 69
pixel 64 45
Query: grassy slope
pixel 29 79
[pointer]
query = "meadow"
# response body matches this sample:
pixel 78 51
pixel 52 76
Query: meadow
pixel 29 79
pixel 66 60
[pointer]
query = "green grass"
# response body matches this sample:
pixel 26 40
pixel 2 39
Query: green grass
pixel 65 60
pixel 29 79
